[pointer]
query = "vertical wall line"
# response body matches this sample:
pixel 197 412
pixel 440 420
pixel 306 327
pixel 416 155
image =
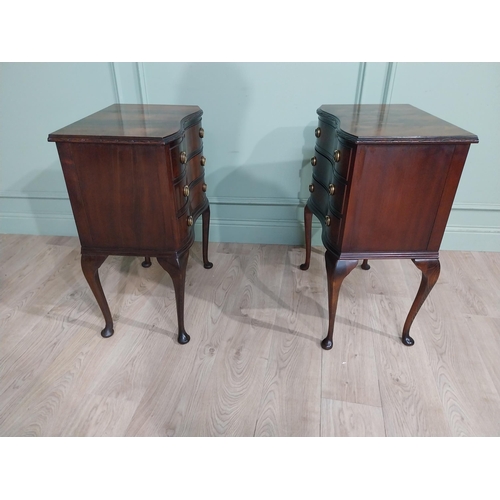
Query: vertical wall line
pixel 389 83
pixel 115 82
pixel 393 80
pixel 360 83
pixel 141 76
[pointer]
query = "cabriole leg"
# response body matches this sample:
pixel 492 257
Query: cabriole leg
pixel 430 272
pixel 336 271
pixel 90 268
pixel 307 227
pixel 206 228
pixel 176 266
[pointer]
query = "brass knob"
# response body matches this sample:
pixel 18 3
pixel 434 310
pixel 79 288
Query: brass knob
pixel 314 161
pixel 317 132
pixel 311 188
pixel 185 191
pixel 189 221
pixel 336 155
pixel 183 157
pixel 203 161
pixel 331 189
pixel 327 220
pixel 202 133
pixel 204 187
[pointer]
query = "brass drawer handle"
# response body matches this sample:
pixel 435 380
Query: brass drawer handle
pixel 317 132
pixel 189 221
pixel 203 161
pixel 314 161
pixel 331 189
pixel 204 187
pixel 336 156
pixel 185 191
pixel 311 188
pixel 183 157
pixel 202 133
pixel 327 220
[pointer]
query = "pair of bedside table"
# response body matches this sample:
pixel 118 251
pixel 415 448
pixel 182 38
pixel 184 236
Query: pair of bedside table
pixel 384 179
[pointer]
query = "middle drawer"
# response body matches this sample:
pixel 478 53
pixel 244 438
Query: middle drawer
pixel 330 197
pixel 195 168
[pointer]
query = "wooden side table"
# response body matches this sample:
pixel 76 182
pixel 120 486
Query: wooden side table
pixel 135 179
pixel 384 179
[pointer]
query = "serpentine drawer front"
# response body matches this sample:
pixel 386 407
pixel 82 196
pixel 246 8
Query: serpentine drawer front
pixel 383 183
pixel 135 179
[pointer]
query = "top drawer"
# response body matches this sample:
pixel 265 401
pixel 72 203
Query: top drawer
pixel 326 138
pixel 342 157
pixel 192 141
pixel 336 149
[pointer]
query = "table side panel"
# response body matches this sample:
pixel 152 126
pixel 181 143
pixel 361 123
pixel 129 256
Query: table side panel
pixel 128 198
pixel 76 196
pixel 394 195
pixel 455 172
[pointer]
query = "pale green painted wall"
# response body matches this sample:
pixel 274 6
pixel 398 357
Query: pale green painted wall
pixel 36 99
pixel 259 120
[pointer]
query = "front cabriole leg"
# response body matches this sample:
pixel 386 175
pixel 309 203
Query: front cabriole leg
pixel 336 271
pixel 430 272
pixel 176 266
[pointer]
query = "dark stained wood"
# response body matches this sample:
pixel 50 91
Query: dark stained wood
pixel 454 172
pixel 395 192
pixel 308 227
pixel 383 183
pixel 336 270
pixel 133 123
pixel 176 266
pixel 90 268
pixel 206 228
pixel 135 178
pixel 381 123
pixel 430 273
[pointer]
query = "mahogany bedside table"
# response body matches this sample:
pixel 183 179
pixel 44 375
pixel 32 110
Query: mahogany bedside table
pixel 135 179
pixel 384 179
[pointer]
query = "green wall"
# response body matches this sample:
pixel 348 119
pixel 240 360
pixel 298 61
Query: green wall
pixel 259 121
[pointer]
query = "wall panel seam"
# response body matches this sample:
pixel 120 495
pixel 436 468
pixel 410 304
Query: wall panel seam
pixel 141 76
pixel 115 83
pixel 227 200
pixel 360 83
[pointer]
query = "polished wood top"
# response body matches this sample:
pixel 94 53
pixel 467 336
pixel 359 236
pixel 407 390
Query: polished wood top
pixel 365 123
pixel 130 123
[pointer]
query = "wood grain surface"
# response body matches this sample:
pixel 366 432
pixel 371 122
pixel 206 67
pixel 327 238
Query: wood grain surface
pixel 254 366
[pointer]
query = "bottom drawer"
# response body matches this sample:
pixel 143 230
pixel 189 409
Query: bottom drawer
pixel 319 195
pixel 331 232
pixel 197 196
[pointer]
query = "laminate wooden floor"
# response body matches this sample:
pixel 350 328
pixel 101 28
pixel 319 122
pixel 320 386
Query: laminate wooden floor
pixel 254 365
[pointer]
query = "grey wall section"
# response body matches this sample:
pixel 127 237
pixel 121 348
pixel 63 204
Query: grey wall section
pixel 259 120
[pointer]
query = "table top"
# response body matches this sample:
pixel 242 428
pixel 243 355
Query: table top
pixel 366 123
pixel 130 123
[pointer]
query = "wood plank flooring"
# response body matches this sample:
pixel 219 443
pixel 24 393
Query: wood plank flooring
pixel 254 365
